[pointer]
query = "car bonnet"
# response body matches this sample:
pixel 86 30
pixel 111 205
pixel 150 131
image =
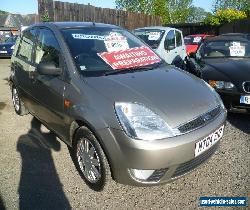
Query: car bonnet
pixel 176 96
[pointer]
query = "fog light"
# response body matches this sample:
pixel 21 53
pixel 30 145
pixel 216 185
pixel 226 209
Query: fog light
pixel 142 175
pixel 150 176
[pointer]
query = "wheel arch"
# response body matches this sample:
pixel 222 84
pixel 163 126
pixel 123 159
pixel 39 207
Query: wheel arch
pixel 76 124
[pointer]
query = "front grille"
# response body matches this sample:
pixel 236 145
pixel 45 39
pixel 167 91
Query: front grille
pixel 190 165
pixel 246 86
pixel 200 121
pixel 157 175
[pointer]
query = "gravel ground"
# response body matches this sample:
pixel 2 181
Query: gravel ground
pixel 36 171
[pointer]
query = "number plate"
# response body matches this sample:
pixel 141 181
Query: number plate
pixel 245 99
pixel 3 51
pixel 204 144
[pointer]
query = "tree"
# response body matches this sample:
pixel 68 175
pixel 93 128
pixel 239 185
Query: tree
pixel 3 12
pixel 197 15
pixel 178 10
pixel 45 17
pixel 142 6
pixel 171 11
pixel 242 5
pixel 224 16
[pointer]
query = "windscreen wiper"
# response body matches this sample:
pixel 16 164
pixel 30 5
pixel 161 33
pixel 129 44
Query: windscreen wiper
pixel 134 69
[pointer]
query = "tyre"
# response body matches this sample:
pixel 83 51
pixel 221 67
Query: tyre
pixel 17 102
pixel 90 160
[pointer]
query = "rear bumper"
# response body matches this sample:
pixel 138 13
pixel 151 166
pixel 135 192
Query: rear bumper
pixel 170 158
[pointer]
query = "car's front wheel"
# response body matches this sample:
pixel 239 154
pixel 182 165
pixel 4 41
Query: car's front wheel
pixel 90 160
pixel 17 103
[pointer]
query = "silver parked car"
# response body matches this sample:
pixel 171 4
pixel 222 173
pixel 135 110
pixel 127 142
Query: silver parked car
pixel 123 112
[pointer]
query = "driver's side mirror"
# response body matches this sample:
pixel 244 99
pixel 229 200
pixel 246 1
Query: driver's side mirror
pixel 48 68
pixel 168 46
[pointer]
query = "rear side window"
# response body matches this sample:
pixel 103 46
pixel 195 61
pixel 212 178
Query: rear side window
pixel 178 38
pixel 26 45
pixel 47 48
pixel 170 38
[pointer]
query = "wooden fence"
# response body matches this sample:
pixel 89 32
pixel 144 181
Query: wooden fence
pixel 64 11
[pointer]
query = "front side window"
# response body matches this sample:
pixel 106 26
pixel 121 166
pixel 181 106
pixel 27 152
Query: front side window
pixel 26 45
pixel 47 48
pixel 152 37
pixel 11 39
pixel 170 39
pixel 101 49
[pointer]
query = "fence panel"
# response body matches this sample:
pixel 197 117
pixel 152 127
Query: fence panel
pixel 63 11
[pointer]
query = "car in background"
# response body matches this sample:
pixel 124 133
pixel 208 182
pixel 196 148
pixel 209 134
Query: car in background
pixel 224 63
pixel 7 47
pixel 192 42
pixel 166 42
pixel 123 112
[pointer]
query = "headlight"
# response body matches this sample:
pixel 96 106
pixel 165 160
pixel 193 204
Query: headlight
pixel 218 96
pixel 139 122
pixel 221 84
pixel 13 47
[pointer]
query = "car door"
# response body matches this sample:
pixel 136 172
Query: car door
pixel 48 90
pixel 22 66
pixel 180 47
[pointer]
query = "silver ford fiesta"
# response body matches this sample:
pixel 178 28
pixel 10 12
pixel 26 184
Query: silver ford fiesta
pixel 124 113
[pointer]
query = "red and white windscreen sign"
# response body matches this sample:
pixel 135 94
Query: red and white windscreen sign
pixel 129 58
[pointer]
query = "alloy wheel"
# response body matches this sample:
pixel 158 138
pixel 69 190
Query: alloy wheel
pixel 88 160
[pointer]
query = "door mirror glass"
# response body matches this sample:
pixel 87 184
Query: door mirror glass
pixel 170 47
pixel 49 68
pixel 169 43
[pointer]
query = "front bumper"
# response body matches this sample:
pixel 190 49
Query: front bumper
pixel 8 54
pixel 170 158
pixel 231 101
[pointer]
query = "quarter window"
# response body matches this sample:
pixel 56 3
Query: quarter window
pixel 178 38
pixel 26 45
pixel 47 48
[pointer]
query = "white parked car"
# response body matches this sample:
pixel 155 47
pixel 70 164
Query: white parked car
pixel 167 42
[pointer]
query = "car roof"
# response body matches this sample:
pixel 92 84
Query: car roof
pixel 64 25
pixel 243 35
pixel 158 27
pixel 235 34
pixel 199 35
pixel 226 38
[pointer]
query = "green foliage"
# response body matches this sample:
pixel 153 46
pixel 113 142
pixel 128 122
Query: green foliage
pixel 45 17
pixel 242 5
pixel 197 15
pixel 171 11
pixel 3 12
pixel 143 6
pixel 224 16
pixel 178 10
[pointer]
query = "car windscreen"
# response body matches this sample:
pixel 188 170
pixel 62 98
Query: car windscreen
pixel 192 40
pixel 152 37
pixel 103 49
pixel 11 39
pixel 225 48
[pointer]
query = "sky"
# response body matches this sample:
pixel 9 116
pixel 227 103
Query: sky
pixel 30 6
